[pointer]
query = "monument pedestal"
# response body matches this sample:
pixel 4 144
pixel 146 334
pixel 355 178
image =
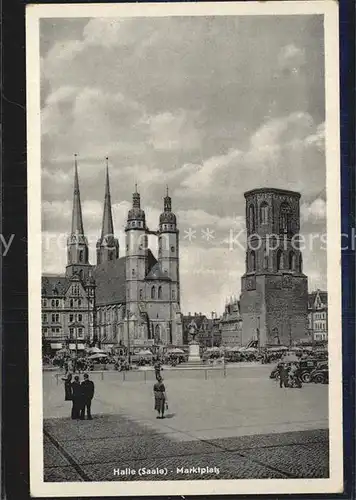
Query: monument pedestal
pixel 194 352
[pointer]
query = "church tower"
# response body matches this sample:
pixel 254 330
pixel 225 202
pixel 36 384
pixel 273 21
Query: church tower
pixel 168 259
pixel 107 247
pixel 168 246
pixel 77 245
pixel 274 290
pixel 136 262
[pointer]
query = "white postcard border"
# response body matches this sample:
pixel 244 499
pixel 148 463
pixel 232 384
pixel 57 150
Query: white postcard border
pixel 334 483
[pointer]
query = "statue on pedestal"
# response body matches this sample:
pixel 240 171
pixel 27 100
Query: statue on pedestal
pixel 194 351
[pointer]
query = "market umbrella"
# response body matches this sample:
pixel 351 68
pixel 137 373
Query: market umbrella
pixel 213 349
pixel 98 355
pixel 289 358
pixel 144 352
pixel 250 349
pixel 95 350
pixel 235 349
pixel 175 351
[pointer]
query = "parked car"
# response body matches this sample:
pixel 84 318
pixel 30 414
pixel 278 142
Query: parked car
pixel 320 375
pixel 307 366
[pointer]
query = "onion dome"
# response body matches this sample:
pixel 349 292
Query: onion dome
pixel 136 214
pixel 168 217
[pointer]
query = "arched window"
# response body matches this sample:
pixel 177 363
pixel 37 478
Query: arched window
pixel 284 218
pixel 81 274
pixel 301 263
pixel 252 261
pixel 251 218
pixel 141 294
pixel 265 261
pixel 159 292
pixel 157 333
pixel 173 295
pixel 153 292
pixel 264 213
pixel 292 261
pixel 81 255
pixel 133 272
pixel 279 260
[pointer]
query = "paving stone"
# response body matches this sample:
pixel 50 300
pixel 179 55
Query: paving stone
pixel 52 457
pixel 132 448
pixel 296 460
pixel 267 440
pixel 102 426
pixel 61 474
pixel 230 467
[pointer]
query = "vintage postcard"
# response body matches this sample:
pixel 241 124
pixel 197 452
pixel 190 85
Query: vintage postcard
pixel 184 249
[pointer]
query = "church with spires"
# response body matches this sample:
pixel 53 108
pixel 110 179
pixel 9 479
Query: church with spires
pixel 129 300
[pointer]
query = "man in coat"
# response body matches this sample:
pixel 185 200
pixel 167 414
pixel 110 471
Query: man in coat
pixel 87 387
pixel 283 375
pixel 76 398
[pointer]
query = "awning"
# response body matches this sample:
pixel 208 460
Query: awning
pixel 56 346
pixel 80 346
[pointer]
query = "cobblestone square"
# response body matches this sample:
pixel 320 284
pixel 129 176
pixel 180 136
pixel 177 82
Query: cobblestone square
pixel 242 425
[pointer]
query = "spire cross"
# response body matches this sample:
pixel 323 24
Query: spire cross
pixel 135 187
pixel 167 190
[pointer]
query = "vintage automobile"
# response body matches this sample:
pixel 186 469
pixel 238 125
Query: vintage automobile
pixel 320 375
pixel 306 366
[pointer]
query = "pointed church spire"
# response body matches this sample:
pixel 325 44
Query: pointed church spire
pixel 107 227
pixel 167 202
pixel 77 219
pixel 107 247
pixel 77 245
pixel 136 200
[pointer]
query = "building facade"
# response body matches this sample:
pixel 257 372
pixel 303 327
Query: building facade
pixel 130 300
pixel 274 290
pixel 318 315
pixel 231 324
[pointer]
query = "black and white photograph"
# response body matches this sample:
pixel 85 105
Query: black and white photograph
pixel 184 253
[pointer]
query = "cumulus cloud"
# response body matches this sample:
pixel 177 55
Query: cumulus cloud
pixel 315 211
pixel 173 101
pixel 291 58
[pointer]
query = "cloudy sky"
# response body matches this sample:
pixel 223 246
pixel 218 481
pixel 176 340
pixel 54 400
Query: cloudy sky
pixel 211 106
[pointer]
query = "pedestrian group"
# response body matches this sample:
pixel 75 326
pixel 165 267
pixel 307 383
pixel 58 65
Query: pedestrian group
pixel 81 395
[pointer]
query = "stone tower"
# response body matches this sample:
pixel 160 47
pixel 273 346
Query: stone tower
pixel 274 290
pixel 77 245
pixel 168 246
pixel 168 259
pixel 107 247
pixel 136 263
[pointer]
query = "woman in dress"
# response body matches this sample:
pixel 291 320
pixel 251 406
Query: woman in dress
pixel 159 391
pixel 68 387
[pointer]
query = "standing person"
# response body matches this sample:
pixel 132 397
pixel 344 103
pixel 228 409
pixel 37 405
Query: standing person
pixel 87 394
pixel 67 387
pixel 159 391
pixel 283 376
pixel 76 398
pixel 157 367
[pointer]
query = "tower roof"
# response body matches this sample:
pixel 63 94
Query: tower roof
pixel 107 227
pixel 136 212
pixel 272 190
pixel 77 219
pixel 167 217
